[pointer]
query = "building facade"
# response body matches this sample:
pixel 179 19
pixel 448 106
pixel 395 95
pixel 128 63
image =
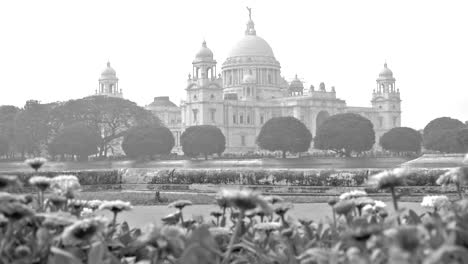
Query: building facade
pixel 250 89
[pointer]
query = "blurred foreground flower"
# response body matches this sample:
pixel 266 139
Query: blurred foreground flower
pixel 66 185
pixel 353 195
pixel 116 206
pixel 435 202
pixel 273 199
pixel 15 211
pixel 455 176
pixel 180 204
pixel 268 226
pixel 171 219
pixel 244 199
pixel 36 163
pixel 40 182
pixel 83 230
pixel 94 204
pixel 344 207
pixel 8 181
pixel 389 179
pixel 57 219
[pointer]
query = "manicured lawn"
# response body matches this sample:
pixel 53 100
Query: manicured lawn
pixel 296 163
pixel 143 215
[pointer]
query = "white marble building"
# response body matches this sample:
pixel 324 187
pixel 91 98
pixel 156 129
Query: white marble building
pixel 250 90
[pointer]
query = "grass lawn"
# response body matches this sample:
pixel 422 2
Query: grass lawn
pixel 140 216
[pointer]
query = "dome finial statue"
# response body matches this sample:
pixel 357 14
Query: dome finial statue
pixel 250 12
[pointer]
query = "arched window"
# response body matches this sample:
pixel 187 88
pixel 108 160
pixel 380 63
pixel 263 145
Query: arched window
pixel 230 80
pixel 248 119
pixel 241 118
pixel 248 91
pixel 234 119
pixel 209 72
pixel 212 97
pixel 195 97
pixel 250 71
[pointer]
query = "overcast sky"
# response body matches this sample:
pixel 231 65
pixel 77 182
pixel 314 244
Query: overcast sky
pixel 56 50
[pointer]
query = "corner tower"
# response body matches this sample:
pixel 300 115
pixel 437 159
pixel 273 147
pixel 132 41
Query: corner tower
pixel 386 102
pixel 203 105
pixel 109 83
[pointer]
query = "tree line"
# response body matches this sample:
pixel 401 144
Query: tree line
pixel 96 125
pixel 75 128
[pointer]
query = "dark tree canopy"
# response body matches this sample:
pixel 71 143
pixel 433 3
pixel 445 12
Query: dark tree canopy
pixel 442 123
pixel 4 146
pixel 78 139
pixel 112 116
pixel 441 134
pixel 401 139
pixel 462 138
pixel 147 140
pixel 32 127
pixel 204 139
pixel 444 141
pixel 284 134
pixel 345 133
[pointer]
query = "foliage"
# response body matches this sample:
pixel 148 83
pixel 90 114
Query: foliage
pixel 203 139
pixel 147 141
pixel 445 140
pixel 441 134
pixel 462 138
pixel 247 228
pixel 110 115
pixel 32 127
pixel 7 126
pixel 284 134
pixel 4 145
pixel 401 139
pixel 442 123
pixel 76 139
pixel 345 133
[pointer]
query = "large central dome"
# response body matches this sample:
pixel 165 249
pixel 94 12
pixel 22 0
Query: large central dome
pixel 251 46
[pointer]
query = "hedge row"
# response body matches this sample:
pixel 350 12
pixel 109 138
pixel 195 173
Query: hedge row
pixel 238 176
pixel 307 177
pixel 86 177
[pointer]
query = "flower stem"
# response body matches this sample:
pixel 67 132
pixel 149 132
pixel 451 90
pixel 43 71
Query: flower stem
pixel 459 190
pixel 395 203
pixel 234 237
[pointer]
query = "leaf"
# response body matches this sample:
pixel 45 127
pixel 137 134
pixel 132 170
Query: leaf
pixel 60 256
pixel 96 253
pixel 413 218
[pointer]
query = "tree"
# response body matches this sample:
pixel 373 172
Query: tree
pixel 401 139
pixel 284 134
pixel 7 126
pixel 110 115
pixel 345 133
pixel 442 123
pixel 4 146
pixel 444 141
pixel 31 128
pixel 147 141
pixel 462 138
pixel 203 139
pixel 78 139
pixel 441 135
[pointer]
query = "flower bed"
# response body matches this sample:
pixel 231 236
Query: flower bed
pixel 57 227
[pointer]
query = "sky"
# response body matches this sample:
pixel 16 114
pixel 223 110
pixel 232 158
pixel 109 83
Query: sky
pixel 55 50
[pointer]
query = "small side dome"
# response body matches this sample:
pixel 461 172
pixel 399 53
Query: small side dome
pixel 204 54
pixel 249 79
pixel 108 72
pixel 296 85
pixel 386 72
